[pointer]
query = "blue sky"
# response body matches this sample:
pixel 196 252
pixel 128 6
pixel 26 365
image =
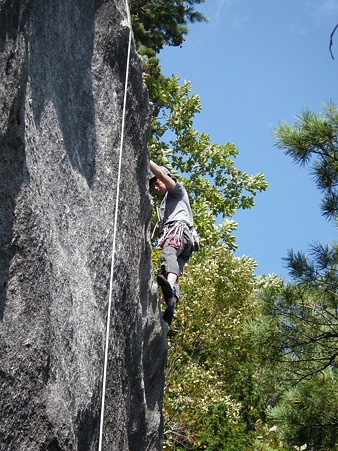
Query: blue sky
pixel 256 63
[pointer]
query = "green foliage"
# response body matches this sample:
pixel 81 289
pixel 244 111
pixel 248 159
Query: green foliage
pixel 217 433
pixel 162 22
pixel 313 142
pixel 298 325
pixel 216 187
pixel 232 347
pixel 307 414
pixel 211 397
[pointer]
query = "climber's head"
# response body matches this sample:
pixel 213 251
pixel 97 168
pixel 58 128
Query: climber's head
pixel 156 184
pixel 158 187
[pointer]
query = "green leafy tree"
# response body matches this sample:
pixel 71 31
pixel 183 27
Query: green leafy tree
pixel 296 335
pixel 313 142
pixel 162 22
pixel 211 399
pixel 157 23
pixel 305 310
pixel 298 322
pixel 216 187
pixel 207 403
pixel 307 413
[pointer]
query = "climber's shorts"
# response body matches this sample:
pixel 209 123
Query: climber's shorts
pixel 173 259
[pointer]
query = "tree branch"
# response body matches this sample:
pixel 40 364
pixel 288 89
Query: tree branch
pixel 331 40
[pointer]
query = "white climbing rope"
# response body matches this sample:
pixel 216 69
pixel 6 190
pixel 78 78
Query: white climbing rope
pixel 114 235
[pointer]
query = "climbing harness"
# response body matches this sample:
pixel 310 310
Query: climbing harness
pixel 114 234
pixel 172 234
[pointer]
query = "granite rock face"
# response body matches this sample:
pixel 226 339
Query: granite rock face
pixel 63 67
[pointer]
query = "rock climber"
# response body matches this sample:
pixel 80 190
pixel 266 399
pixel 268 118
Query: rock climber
pixel 175 234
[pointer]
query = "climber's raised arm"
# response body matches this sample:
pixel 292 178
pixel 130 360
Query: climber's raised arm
pixel 158 172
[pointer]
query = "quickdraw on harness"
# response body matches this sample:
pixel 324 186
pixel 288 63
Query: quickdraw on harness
pixel 172 234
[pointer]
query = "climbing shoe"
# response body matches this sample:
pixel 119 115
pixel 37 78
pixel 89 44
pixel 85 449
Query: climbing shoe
pixel 167 290
pixel 169 314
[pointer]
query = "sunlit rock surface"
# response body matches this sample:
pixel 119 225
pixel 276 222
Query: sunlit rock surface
pixel 63 66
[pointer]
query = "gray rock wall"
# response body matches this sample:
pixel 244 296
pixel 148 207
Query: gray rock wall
pixel 62 69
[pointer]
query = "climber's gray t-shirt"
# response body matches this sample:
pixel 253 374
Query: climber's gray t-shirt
pixel 175 206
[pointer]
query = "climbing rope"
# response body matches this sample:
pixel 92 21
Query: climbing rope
pixel 114 234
